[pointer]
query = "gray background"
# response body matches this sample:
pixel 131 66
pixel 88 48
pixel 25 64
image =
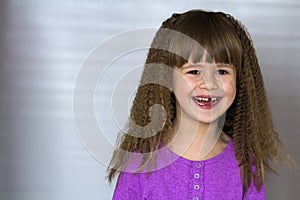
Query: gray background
pixel 43 45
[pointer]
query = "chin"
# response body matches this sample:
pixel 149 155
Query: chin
pixel 210 120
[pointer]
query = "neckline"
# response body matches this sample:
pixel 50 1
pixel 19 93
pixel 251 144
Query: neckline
pixel 221 155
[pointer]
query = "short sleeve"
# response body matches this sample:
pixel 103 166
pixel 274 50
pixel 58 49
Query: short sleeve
pixel 127 187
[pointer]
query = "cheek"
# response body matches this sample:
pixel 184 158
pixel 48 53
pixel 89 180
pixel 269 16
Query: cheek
pixel 181 84
pixel 230 89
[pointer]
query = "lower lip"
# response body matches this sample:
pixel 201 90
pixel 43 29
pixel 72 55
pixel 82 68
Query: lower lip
pixel 207 106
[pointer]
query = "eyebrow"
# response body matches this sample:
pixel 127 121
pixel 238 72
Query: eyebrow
pixel 188 65
pixel 219 65
pixel 225 65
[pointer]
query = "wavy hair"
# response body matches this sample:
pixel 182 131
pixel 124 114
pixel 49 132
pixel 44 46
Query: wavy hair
pixel 248 120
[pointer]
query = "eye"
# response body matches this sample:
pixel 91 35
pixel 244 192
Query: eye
pixel 194 72
pixel 222 72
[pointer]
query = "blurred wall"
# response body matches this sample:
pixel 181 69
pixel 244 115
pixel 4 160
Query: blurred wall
pixel 43 46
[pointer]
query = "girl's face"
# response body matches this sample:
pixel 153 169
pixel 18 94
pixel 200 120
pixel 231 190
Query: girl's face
pixel 204 91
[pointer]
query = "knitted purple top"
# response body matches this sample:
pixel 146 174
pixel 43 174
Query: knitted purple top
pixel 217 178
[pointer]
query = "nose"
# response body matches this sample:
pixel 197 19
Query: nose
pixel 208 81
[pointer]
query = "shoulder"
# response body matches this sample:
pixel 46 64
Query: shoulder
pixel 127 187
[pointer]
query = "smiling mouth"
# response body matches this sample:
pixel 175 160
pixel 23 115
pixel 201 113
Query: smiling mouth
pixel 206 102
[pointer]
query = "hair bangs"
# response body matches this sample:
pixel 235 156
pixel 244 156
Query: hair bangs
pixel 205 39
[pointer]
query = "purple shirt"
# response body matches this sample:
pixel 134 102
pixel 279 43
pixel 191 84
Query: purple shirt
pixel 217 178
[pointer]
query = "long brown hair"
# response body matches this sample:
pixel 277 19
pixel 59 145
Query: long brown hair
pixel 248 121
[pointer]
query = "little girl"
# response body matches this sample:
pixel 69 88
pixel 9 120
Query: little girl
pixel 214 137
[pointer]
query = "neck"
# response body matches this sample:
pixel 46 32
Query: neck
pixel 196 141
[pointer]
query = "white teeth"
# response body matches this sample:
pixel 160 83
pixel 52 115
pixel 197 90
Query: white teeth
pixel 213 99
pixel 202 99
pixel 206 99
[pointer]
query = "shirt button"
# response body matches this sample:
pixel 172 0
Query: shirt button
pixel 196 175
pixel 195 198
pixel 198 165
pixel 196 187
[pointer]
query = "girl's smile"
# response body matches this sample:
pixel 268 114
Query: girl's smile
pixel 207 101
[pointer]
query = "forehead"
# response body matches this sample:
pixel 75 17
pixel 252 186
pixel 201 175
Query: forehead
pixel 206 44
pixel 204 57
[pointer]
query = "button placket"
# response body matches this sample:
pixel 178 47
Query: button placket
pixel 196 181
pixel 201 181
